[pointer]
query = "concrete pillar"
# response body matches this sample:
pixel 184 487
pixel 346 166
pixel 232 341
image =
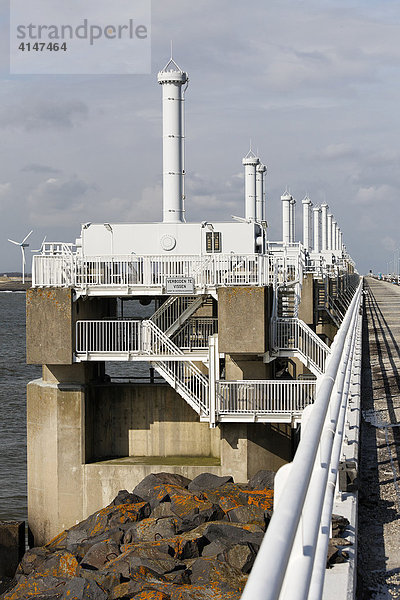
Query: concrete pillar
pixel 324 227
pixel 286 220
pixel 12 546
pixel 307 205
pixel 317 223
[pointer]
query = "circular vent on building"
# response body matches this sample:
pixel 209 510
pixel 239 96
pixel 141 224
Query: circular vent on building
pixel 168 242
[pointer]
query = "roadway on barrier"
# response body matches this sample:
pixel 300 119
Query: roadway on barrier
pixel 379 494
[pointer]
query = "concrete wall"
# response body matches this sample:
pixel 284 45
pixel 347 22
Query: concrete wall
pixel 306 307
pixel 243 319
pixel 144 420
pixel 51 316
pixel 131 431
pixel 49 329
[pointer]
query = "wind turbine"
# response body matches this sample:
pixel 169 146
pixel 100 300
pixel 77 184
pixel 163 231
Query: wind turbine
pixel 22 245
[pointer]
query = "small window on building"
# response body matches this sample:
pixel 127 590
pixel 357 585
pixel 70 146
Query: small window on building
pixel 213 241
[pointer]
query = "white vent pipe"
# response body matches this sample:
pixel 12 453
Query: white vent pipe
pixel 324 226
pixel 307 205
pixel 292 220
pixel 286 227
pixel 172 78
pixel 329 240
pixel 317 226
pixel 250 162
pixel 260 185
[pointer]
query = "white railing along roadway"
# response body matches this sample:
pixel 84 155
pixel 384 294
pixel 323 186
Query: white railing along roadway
pixel 288 565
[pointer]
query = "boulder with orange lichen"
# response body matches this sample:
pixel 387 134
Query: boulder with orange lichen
pixel 163 541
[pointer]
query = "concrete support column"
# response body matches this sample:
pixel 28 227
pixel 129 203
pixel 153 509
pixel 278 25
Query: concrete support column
pixel 317 237
pixel 307 205
pixel 324 226
pixel 286 210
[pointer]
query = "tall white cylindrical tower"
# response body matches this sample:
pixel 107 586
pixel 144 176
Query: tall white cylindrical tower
pixel 286 198
pixel 317 227
pixel 250 163
pixel 307 205
pixel 334 235
pixel 324 226
pixel 292 220
pixel 340 240
pixel 172 78
pixel 260 184
pixel 329 233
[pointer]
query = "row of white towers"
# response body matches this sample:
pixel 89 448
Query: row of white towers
pixel 326 233
pixel 321 232
pixel 254 185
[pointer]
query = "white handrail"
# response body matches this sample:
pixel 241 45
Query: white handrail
pixel 294 334
pixel 150 270
pixel 264 396
pixel 279 572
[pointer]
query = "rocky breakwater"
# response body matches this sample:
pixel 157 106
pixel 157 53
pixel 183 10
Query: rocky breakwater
pixel 170 539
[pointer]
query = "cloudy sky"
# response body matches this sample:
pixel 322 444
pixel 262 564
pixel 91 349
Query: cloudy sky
pixel 314 84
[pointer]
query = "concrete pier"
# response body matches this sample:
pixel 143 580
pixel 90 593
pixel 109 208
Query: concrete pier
pixel 379 498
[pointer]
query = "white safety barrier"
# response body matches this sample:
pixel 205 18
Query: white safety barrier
pixel 71 270
pixel 290 564
pixel 294 334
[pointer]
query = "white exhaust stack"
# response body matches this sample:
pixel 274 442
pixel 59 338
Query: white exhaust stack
pixel 286 227
pixel 317 213
pixel 292 220
pixel 324 226
pixel 340 241
pixel 329 232
pixel 250 163
pixel 172 78
pixel 334 235
pixel 307 205
pixel 260 184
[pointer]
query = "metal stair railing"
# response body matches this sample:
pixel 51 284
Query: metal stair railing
pixel 294 334
pixel 194 333
pixel 183 376
pixel 174 312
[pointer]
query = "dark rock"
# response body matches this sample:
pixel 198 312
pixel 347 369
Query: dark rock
pixel 152 529
pixel 124 497
pixel 208 571
pixel 37 586
pixel 100 554
pixel 32 561
pixel 145 489
pixel 152 595
pixel 247 514
pixel 262 480
pixel 339 525
pixel 208 481
pixel 233 533
pixel 82 589
pixel 163 510
pixel 241 556
pixel 115 535
pixel 216 547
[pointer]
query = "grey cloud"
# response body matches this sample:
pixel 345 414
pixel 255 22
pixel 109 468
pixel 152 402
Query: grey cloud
pixel 36 168
pixel 38 115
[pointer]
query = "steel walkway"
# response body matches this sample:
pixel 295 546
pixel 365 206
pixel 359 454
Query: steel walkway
pixel 379 497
